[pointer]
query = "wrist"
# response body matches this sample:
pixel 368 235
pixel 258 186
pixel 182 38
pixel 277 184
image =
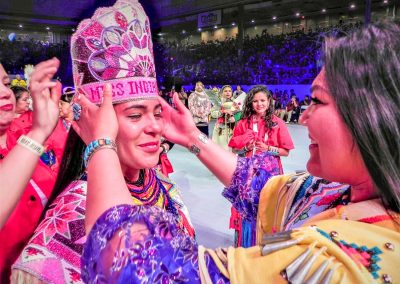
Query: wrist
pixel 197 144
pixel 38 135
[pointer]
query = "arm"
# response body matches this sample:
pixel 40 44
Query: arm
pixel 95 123
pixel 180 129
pixel 45 118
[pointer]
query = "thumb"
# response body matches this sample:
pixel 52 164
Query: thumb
pixel 107 95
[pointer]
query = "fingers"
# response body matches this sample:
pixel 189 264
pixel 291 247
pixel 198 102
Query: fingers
pixel 107 95
pixel 45 69
pixel 55 92
pixel 179 105
pixel 165 106
pixel 84 102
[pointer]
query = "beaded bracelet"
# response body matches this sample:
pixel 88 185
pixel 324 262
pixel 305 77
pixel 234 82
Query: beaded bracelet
pixel 31 145
pixel 96 145
pixel 273 150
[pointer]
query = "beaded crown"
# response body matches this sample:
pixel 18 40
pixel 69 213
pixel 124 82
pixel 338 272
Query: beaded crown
pixel 114 46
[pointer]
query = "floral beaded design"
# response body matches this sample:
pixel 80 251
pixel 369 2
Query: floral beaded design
pixel 165 255
pixel 248 180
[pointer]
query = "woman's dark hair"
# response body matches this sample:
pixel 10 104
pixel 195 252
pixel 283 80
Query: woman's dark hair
pixel 18 91
pixel 363 76
pixel 71 167
pixel 248 110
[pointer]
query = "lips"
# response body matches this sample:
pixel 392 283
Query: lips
pixel 7 107
pixel 150 147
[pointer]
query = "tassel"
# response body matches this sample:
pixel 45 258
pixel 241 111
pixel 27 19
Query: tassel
pixel 278 237
pixel 300 274
pixel 314 278
pixel 329 275
pixel 291 268
pixel 270 248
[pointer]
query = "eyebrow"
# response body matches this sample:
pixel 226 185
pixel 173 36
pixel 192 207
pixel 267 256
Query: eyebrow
pixel 318 88
pixel 143 107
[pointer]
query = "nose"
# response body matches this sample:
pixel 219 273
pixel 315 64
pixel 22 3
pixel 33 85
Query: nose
pixel 154 126
pixel 305 115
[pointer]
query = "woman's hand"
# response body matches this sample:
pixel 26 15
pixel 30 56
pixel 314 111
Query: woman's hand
pixel 261 146
pixel 179 124
pixel 45 97
pixel 249 146
pixel 96 122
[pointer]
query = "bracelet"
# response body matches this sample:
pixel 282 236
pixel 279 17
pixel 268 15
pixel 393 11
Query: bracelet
pixel 96 145
pixel 194 148
pixel 31 145
pixel 273 150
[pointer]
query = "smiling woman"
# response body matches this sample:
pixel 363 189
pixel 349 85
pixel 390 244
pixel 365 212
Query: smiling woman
pixel 60 236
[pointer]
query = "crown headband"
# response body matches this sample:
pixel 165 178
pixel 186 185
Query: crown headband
pixel 115 46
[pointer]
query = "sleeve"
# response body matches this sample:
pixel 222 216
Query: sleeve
pixel 248 180
pixel 284 139
pixel 190 103
pixel 140 244
pixel 238 141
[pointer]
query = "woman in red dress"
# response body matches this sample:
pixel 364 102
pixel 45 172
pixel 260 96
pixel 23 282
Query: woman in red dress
pixel 258 131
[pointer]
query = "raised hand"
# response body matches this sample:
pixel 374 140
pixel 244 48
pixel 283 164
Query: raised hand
pixel 96 122
pixel 45 96
pixel 179 124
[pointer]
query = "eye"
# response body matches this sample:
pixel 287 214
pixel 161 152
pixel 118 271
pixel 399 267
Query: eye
pixel 158 113
pixel 8 85
pixel 315 101
pixel 135 116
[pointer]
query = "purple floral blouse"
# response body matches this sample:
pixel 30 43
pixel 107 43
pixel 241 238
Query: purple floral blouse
pixel 153 252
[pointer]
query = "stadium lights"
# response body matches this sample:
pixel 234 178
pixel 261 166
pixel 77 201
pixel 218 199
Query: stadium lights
pixel 233 24
pixel 47 28
pixel 253 21
pixel 385 1
pixel 323 10
pixel 199 29
pixel 274 18
pixel 297 14
pixel 20 26
pixel 215 27
pixel 352 6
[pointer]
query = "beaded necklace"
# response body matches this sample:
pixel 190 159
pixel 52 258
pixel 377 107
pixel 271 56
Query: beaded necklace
pixel 151 191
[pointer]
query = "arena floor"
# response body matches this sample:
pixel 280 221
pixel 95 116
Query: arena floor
pixel 201 191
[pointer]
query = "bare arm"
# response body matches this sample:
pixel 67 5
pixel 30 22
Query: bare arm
pixel 45 117
pixel 106 184
pixel 181 130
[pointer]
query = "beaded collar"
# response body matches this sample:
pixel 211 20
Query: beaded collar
pixel 151 192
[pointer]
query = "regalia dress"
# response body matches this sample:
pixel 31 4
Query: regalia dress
pixel 53 253
pixel 339 242
pixel 223 129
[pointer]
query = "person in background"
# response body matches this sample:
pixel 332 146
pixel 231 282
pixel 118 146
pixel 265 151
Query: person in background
pixel 26 182
pixel 200 107
pixel 22 98
pixel 238 92
pixel 258 131
pixel 183 97
pixel 65 107
pixel 18 81
pixel 225 115
pixel 291 108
